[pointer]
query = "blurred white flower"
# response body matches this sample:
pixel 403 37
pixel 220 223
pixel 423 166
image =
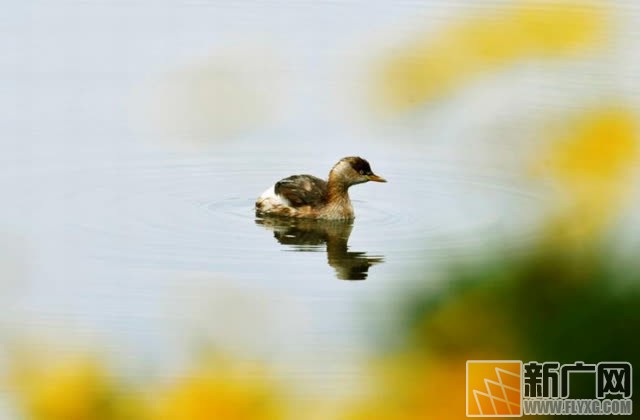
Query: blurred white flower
pixel 220 98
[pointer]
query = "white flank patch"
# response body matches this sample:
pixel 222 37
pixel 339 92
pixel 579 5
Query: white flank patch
pixel 270 199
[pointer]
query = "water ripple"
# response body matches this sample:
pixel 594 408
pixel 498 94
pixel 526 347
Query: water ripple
pixel 202 213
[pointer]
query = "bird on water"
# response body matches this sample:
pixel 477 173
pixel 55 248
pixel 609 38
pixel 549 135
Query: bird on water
pixel 306 196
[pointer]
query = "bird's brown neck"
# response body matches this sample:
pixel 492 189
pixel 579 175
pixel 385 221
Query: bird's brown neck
pixel 337 189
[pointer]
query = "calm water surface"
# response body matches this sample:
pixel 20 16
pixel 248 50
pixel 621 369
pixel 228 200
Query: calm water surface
pixel 199 215
pixel 155 253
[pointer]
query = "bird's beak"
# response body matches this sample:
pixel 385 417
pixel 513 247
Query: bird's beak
pixel 376 178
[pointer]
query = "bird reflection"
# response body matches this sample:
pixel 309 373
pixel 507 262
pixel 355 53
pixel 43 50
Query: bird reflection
pixel 307 235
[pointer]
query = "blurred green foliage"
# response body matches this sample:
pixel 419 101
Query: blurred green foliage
pixel 550 304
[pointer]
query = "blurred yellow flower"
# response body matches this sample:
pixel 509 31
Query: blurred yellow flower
pixel 72 389
pixel 67 387
pixel 412 387
pixel 434 65
pixel 222 393
pixel 598 151
pixel 592 161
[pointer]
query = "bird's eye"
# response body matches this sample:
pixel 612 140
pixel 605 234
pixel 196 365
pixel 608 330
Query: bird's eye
pixel 361 172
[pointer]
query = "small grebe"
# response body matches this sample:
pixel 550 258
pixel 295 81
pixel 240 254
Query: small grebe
pixel 306 196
